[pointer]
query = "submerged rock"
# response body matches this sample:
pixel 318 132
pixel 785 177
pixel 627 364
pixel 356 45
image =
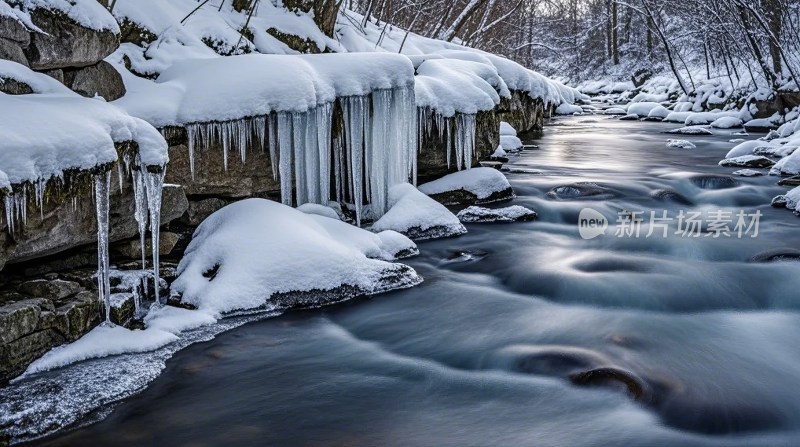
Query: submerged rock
pixel 714 181
pixel 680 144
pixel 581 190
pixel 466 255
pixel 670 195
pixel 692 130
pixel 777 254
pixel 790 181
pixel 477 214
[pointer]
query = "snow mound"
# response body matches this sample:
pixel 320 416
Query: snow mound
pixel 507 129
pixel 787 166
pixel 744 148
pixel 759 124
pixel 319 210
pixel 680 144
pixel 677 117
pixel 692 130
pixel 642 109
pixel 478 214
pixel 658 112
pixel 417 216
pixel 259 254
pixel 568 109
pixel 790 200
pixel 499 152
pixel 483 185
pixel 510 143
pixel 727 122
pixel 451 86
pixel 45 135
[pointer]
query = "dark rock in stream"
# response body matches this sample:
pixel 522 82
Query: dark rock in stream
pixel 670 196
pixel 464 197
pixel 714 182
pixel 478 214
pixel 581 190
pixel 613 377
pixel 776 255
pixel 790 181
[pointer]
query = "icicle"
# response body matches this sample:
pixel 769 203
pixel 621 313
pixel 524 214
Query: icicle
pixel 285 141
pixel 353 107
pixel 273 143
pixel 120 175
pixel 140 214
pixel 324 118
pixel 154 183
pixel 102 184
pixel 299 144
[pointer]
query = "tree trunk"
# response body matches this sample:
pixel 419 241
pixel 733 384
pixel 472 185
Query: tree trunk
pixel 774 14
pixel 614 34
pixel 325 12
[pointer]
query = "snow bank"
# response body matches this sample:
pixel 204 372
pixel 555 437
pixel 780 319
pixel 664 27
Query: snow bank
pixel 787 166
pixel 745 148
pixel 451 86
pixel 44 135
pixel 319 210
pixel 568 109
pixel 230 88
pixel 418 216
pixel 483 183
pixel 243 255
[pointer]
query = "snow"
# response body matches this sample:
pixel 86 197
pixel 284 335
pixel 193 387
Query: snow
pixel 703 118
pixel 748 173
pixel 745 148
pixel 615 111
pixel 102 341
pixel 510 143
pixel 230 88
pixel 417 215
pixel 482 182
pixel 787 166
pixel 680 144
pixel 658 112
pixel 261 248
pixel 507 129
pixel 745 160
pixel 38 82
pixel 677 117
pixel 499 152
pixel 44 135
pixel 568 109
pixel 642 109
pixel 478 214
pixel 727 122
pixel 89 13
pixel 319 210
pixel 451 86
pixel 692 130
pixel 765 123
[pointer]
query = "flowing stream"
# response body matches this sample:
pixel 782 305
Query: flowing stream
pixel 482 352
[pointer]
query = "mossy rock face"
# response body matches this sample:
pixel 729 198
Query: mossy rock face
pixel 132 32
pixel 297 43
pixel 224 48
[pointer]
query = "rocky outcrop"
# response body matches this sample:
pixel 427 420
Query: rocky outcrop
pixel 65 43
pixel 100 79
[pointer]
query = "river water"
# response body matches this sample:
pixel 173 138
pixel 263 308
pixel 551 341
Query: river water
pixel 482 352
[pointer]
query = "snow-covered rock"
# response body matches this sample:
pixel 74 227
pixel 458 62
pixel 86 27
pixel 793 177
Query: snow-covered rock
pixel 568 109
pixel 744 148
pixel 748 173
pixel 692 130
pixel 629 117
pixel 261 254
pixel 790 200
pixel 507 129
pixel 510 143
pixel 658 112
pixel 680 144
pixel 614 111
pixel 747 161
pixel 417 216
pixel 788 165
pixel 727 122
pixel 473 186
pixel 677 117
pixel 479 214
pixel 759 125
pixel 642 109
pixel 499 152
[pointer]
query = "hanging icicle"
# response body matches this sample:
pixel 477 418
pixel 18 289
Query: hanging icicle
pixel 102 185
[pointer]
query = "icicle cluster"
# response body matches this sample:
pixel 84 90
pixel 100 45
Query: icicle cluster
pixel 457 133
pixel 376 150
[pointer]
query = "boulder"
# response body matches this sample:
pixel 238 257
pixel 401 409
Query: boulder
pixel 12 51
pixel 12 86
pixel 65 43
pixel 132 249
pixel 478 214
pixel 100 79
pixel 747 161
pixel 14 30
pixel 790 181
pixel 56 289
pixel 199 210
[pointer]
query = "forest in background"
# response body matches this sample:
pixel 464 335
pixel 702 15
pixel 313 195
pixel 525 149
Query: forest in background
pixel 748 44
